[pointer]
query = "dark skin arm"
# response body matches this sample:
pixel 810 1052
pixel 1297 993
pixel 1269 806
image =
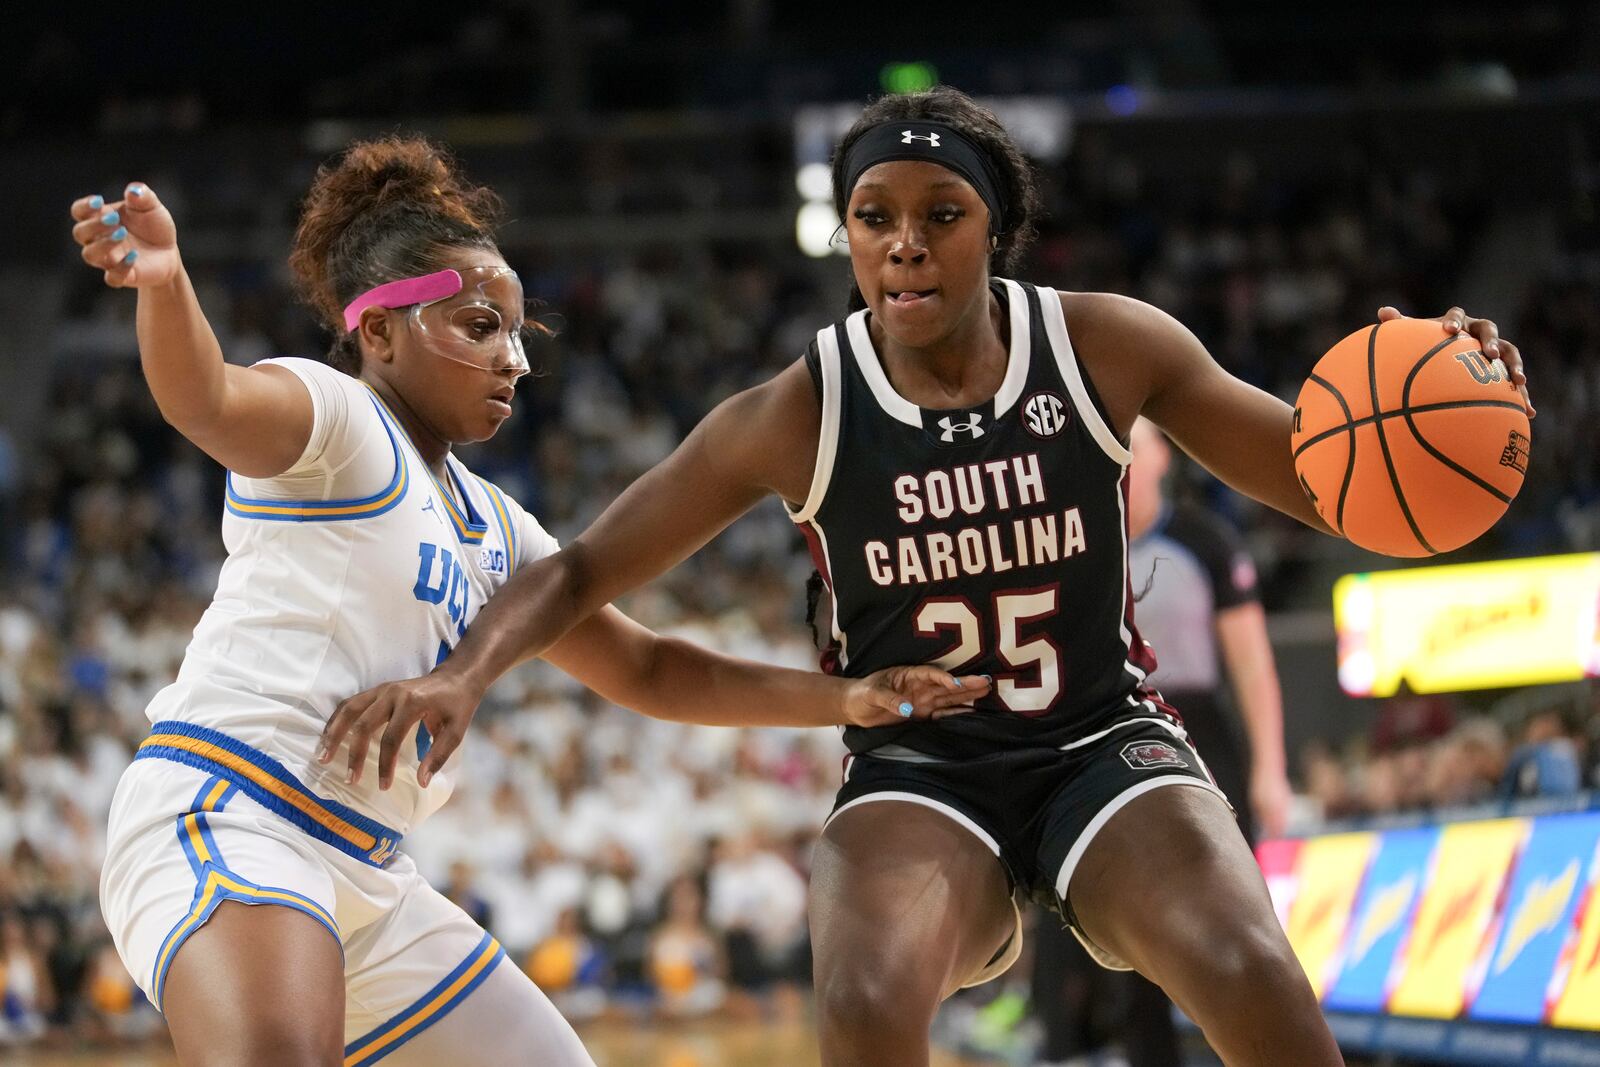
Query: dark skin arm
pixel 761 441
pixel 1144 362
pixel 678 681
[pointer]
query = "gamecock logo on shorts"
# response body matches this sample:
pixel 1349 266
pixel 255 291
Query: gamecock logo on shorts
pixel 1142 755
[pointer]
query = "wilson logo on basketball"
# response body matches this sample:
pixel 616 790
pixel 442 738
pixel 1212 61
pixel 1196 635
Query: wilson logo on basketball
pixel 1044 414
pixel 1142 755
pixel 1484 371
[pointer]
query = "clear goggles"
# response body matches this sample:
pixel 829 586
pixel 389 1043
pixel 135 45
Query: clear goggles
pixel 475 316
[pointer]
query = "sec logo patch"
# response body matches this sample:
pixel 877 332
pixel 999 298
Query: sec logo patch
pixel 1044 415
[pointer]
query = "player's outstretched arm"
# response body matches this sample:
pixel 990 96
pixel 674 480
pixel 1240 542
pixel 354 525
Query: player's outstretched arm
pixel 1143 361
pixel 762 440
pixel 669 678
pixel 255 421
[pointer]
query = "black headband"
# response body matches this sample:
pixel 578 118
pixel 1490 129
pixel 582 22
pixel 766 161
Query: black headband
pixel 932 142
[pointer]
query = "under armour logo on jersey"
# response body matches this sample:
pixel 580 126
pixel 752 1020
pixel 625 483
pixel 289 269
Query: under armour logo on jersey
pixel 951 427
pixel 906 137
pixel 1044 414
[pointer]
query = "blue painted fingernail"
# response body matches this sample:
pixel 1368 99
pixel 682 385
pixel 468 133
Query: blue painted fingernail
pixel 119 233
pixel 111 218
pixel 906 709
pixel 130 257
pixel 959 685
pixel 97 202
pixel 135 190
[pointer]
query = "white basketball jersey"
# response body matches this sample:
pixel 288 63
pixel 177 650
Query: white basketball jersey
pixel 354 567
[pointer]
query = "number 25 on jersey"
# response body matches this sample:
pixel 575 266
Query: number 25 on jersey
pixel 1012 611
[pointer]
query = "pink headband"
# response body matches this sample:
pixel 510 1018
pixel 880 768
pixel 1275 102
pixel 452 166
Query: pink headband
pixel 400 293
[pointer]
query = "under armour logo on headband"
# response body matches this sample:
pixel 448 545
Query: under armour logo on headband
pixel 933 142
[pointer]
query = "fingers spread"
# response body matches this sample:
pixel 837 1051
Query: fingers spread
pixel 344 716
pixel 444 743
pixel 400 727
pixel 1511 356
pixel 1453 320
pixel 361 739
pixel 1487 334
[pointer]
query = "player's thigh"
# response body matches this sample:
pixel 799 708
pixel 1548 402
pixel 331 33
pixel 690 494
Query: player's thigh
pixel 907 904
pixel 426 985
pixel 257 984
pixel 223 918
pixel 1168 885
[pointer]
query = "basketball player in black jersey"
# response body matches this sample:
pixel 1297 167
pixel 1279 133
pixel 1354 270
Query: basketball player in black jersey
pixel 955 453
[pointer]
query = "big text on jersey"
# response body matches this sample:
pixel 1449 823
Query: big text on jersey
pixel 974 491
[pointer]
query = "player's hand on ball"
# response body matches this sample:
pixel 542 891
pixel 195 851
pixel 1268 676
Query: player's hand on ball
pixel 133 241
pixel 1488 337
pixel 900 694
pixel 391 713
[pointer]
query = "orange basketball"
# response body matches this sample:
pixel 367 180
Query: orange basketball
pixel 1410 442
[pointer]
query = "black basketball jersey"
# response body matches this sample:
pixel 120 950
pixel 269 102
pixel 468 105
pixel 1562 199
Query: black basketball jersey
pixel 990 540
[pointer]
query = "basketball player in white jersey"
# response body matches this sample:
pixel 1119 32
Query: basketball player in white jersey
pixel 258 895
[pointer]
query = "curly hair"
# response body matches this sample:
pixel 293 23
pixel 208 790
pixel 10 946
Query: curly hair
pixel 385 209
pixel 954 108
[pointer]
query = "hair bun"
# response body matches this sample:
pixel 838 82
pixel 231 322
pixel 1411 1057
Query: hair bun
pixel 365 203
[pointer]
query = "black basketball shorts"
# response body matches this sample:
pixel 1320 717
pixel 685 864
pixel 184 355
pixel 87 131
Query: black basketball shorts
pixel 1037 809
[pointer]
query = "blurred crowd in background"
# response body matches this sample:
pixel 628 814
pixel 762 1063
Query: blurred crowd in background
pixel 640 867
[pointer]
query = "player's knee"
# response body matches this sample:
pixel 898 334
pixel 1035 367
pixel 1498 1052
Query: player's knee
pixel 1246 964
pixel 272 1038
pixel 1248 955
pixel 861 996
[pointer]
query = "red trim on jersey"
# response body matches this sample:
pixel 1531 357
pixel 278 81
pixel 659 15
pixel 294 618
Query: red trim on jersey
pixel 1140 654
pixel 1161 705
pixel 828 661
pixel 819 558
